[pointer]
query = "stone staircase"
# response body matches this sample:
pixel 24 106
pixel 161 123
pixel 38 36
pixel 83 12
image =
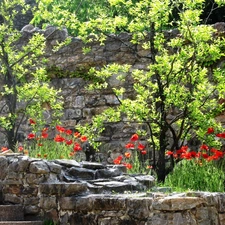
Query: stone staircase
pixel 13 215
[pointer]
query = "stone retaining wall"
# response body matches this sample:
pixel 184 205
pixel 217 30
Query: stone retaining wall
pixel 92 194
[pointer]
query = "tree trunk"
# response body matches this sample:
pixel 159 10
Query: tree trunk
pixel 11 139
pixel 161 162
pixel 161 167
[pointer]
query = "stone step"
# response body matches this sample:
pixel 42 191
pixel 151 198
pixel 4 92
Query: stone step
pixel 11 213
pixel 21 223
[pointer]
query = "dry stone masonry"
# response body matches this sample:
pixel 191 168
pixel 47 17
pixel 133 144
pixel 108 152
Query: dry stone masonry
pixel 81 105
pixel 92 193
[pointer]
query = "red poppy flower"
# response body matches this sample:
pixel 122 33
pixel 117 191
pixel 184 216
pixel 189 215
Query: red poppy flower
pixel 210 130
pixel 186 155
pixel 45 129
pixel 210 158
pixel 118 159
pixel 83 138
pixel 183 149
pixel 134 137
pixel 44 134
pixel 45 155
pixel 59 138
pixel 77 147
pixel 39 155
pixel 3 149
pixel 143 152
pixel 129 146
pixel 193 154
pixel 221 135
pixel 68 132
pixel 218 154
pixel 69 142
pixel 31 136
pixel 205 156
pixel 128 165
pixel 213 150
pixel 169 153
pixel 127 155
pixel 204 147
pixel 20 148
pixel 40 144
pixel 60 129
pixel 141 147
pixel 71 154
pixel 32 122
pixel 76 134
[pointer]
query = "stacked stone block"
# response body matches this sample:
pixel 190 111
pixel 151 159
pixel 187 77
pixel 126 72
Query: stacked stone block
pixel 83 193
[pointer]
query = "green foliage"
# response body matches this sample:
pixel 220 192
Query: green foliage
pixel 177 96
pixel 49 222
pixel 197 176
pixel 25 87
pixel 56 72
pixel 65 145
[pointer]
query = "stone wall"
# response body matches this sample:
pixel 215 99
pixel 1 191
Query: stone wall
pixel 91 194
pixel 81 105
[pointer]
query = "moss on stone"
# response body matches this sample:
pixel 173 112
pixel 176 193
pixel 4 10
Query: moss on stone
pixel 57 72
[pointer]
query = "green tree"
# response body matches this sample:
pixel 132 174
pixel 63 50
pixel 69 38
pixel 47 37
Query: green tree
pixel 177 95
pixel 25 89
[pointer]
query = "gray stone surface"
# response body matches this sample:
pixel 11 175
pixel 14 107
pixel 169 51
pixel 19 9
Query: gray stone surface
pixel 118 198
pixel 80 105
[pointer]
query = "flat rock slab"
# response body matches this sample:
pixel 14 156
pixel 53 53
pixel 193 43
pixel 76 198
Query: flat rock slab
pixel 67 162
pixel 172 203
pixel 92 165
pixel 115 186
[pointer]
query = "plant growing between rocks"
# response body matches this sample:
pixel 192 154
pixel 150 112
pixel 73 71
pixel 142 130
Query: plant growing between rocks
pixel 198 170
pixel 177 95
pixel 135 157
pixel 66 144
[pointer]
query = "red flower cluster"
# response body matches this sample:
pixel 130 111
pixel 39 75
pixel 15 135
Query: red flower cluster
pixel 205 152
pixel 118 161
pixel 127 155
pixel 64 135
pixel 132 144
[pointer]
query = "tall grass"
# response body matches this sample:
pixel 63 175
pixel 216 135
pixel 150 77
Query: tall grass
pixel 196 175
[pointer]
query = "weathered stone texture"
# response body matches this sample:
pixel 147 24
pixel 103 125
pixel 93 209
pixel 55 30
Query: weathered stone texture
pixel 50 190
pixel 81 105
